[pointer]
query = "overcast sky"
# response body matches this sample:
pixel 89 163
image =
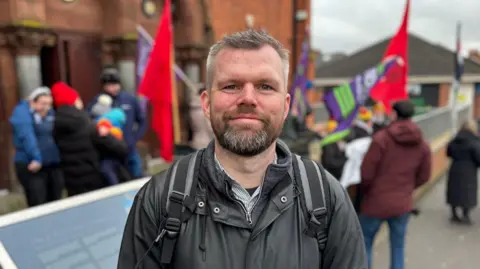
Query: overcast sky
pixel 349 25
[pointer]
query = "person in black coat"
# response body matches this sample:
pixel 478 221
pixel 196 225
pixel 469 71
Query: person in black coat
pixel 464 150
pixel 296 134
pixel 81 147
pixel 333 156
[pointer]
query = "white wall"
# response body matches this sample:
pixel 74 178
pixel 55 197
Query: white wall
pixel 466 94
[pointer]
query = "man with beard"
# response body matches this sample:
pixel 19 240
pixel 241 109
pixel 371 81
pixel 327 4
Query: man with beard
pixel 245 201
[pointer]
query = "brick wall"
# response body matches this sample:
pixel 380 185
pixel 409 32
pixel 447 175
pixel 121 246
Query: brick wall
pixel 107 17
pixel 228 16
pixel 443 94
pixel 476 107
pixel 275 16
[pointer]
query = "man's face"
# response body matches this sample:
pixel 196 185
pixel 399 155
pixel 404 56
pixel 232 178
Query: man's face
pixel 248 102
pixel 42 105
pixel 112 88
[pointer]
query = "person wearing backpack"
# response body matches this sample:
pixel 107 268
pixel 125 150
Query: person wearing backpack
pixel 245 201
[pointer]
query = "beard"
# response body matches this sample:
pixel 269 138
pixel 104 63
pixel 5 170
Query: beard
pixel 246 140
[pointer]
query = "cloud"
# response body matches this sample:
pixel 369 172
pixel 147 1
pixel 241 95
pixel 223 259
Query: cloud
pixel 349 25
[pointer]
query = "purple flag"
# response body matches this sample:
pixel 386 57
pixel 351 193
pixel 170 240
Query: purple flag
pixel 144 47
pixel 344 101
pixel 298 91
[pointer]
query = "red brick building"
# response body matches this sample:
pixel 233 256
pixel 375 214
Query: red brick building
pixel 42 41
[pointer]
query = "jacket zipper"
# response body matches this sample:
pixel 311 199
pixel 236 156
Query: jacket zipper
pixel 248 215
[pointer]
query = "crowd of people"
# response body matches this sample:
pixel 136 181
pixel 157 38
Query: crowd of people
pixel 380 162
pixel 243 193
pixel 62 145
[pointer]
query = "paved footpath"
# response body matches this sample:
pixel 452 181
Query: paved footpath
pixel 433 242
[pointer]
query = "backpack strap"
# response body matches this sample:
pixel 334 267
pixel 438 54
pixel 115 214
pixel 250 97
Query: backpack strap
pixel 181 195
pixel 315 193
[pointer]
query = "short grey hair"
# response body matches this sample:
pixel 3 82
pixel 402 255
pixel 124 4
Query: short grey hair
pixel 248 40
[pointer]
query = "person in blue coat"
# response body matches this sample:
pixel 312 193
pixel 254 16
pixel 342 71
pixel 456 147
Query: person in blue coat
pixel 135 124
pixel 37 157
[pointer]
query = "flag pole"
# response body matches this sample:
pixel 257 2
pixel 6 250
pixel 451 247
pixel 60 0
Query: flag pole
pixel 456 81
pixel 175 110
pixel 190 84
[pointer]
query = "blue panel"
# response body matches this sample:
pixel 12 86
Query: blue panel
pixel 477 88
pixel 82 237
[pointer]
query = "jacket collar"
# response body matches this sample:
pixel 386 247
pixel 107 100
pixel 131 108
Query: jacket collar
pixel 274 174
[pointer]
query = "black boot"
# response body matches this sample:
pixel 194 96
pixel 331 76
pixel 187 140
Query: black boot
pixel 466 217
pixel 455 218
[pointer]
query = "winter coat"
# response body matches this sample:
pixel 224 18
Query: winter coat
pixel 32 136
pixel 464 150
pixel 81 149
pixel 359 130
pixel 273 238
pixel 333 159
pixel 397 162
pixel 354 151
pixel 297 136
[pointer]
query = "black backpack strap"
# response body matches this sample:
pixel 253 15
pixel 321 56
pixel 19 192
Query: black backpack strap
pixel 181 196
pixel 315 192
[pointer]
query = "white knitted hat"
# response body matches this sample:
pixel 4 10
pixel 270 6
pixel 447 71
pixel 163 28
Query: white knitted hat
pixel 39 91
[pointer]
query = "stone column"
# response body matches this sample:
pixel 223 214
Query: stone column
pixel 123 52
pixel 26 44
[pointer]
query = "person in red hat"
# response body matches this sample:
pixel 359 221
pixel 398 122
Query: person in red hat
pixel 81 147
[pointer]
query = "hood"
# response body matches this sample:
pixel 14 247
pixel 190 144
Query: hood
pixel 463 141
pixel 405 132
pixel 116 116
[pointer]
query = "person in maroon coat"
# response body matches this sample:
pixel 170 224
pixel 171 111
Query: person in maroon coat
pixel 397 162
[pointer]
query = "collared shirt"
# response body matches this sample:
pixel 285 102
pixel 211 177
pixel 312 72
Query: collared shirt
pixel 240 193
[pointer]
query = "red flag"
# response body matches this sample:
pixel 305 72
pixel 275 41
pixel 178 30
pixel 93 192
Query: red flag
pixel 157 84
pixel 394 86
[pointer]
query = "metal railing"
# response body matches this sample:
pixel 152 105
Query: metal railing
pixel 439 121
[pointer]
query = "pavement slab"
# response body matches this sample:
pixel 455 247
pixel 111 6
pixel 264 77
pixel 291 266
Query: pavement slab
pixel 433 242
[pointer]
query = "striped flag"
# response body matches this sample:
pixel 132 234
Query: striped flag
pixel 144 48
pixel 298 92
pixel 344 101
